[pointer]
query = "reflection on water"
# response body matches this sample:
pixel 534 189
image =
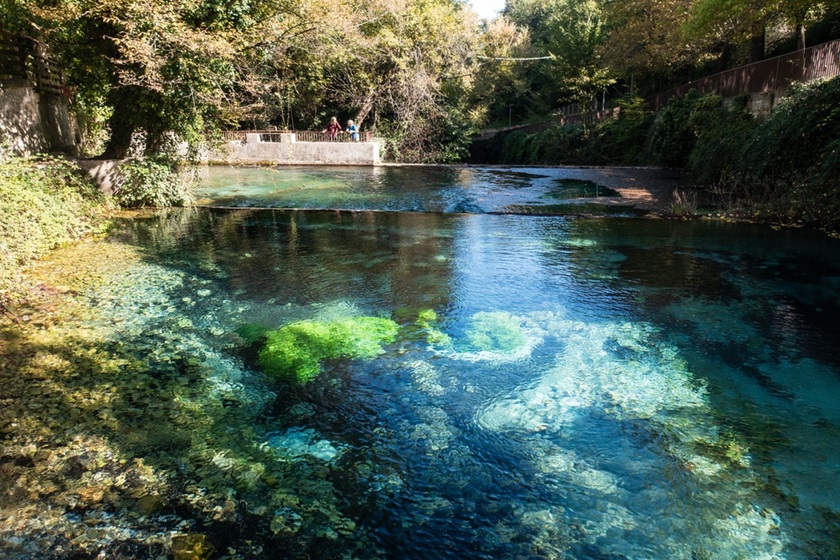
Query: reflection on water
pixel 583 389
pixel 422 189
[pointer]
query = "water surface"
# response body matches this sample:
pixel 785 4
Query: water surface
pixel 426 188
pixel 606 388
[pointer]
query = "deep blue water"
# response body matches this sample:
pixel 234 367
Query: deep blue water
pixel 674 391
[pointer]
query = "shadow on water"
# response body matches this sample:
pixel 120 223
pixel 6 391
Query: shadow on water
pixel 152 420
pixel 136 445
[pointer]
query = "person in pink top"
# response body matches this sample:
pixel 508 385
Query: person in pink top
pixel 333 129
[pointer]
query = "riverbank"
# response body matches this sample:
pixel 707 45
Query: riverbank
pixel 45 202
pixel 782 170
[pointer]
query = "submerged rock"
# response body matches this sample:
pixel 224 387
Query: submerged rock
pixel 191 547
pixel 297 443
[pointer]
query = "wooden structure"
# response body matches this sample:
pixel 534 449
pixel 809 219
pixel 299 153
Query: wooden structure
pixel 24 61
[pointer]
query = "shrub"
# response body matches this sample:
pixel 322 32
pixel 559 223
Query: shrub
pixel 619 141
pixel 153 182
pixel 722 134
pixel 44 202
pixel 675 129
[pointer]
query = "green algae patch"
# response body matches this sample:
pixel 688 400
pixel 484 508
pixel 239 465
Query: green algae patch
pixel 427 320
pixel 252 333
pixel 294 352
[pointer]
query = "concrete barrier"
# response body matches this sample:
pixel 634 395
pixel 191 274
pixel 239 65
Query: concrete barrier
pixel 284 149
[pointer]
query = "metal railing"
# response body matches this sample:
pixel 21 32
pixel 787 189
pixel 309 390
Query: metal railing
pixel 314 136
pixel 773 74
pixel 300 136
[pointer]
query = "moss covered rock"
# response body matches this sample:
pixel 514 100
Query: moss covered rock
pixel 295 351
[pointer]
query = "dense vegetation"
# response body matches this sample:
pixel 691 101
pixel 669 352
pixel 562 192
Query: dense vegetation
pixel 426 74
pixel 43 203
pixel 785 168
pixel 422 73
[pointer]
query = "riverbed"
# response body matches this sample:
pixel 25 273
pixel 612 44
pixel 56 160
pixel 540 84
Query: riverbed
pixel 561 386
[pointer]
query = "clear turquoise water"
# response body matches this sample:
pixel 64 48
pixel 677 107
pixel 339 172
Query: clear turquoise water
pixel 674 392
pixel 419 188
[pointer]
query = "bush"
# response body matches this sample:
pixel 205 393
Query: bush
pixel 722 136
pixel 790 163
pixel 620 141
pixel 154 182
pixel 676 128
pixel 44 202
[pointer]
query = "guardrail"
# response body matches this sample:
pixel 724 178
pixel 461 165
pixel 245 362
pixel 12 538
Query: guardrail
pixel 300 136
pixel 773 74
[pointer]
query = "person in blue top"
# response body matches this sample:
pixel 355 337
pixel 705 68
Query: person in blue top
pixel 353 130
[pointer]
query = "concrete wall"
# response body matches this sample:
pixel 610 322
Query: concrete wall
pixel 31 122
pixel 104 172
pixel 291 152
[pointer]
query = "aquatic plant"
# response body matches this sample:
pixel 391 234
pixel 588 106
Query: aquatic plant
pixel 294 352
pixel 426 320
pixel 495 331
pixel 252 332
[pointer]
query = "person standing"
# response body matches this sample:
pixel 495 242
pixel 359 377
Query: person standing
pixel 353 130
pixel 333 129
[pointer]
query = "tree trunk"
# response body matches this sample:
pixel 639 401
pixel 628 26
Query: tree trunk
pixel 365 109
pixel 726 52
pixel 121 124
pixel 757 43
pixel 120 140
pixel 800 36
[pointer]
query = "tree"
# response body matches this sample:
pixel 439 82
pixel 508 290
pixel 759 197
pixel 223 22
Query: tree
pixel 735 21
pixel 407 67
pixel 646 39
pixel 162 67
pixel 501 88
pixel 571 32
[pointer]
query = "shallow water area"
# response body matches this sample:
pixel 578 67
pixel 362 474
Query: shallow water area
pixel 445 189
pixel 557 387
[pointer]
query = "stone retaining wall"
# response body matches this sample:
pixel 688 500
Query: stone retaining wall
pixel 33 122
pixel 288 151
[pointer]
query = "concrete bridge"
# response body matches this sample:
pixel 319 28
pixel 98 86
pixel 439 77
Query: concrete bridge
pixel 295 148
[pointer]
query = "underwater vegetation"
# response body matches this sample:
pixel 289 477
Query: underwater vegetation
pixel 426 320
pixel 494 331
pixel 294 352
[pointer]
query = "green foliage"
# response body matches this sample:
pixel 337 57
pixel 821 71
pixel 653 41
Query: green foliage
pixel 44 202
pixel 152 182
pixel 294 352
pixel 619 141
pixel 572 33
pixel 427 320
pixel 720 145
pixel 675 129
pixel 791 161
pixel 555 144
pixel 252 332
pixel 494 331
